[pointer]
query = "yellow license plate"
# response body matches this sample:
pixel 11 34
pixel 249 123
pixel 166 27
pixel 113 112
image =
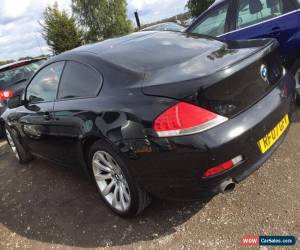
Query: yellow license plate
pixel 272 137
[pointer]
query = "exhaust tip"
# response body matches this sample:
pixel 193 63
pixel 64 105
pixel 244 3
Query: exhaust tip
pixel 227 186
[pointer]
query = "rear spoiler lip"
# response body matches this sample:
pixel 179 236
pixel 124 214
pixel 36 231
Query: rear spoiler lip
pixel 239 44
pixel 262 42
pixel 264 47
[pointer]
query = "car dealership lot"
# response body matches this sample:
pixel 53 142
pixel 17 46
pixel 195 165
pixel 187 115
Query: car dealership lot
pixel 44 206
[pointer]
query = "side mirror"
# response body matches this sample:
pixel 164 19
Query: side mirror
pixel 16 101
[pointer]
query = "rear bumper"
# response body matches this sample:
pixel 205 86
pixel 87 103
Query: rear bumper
pixel 172 168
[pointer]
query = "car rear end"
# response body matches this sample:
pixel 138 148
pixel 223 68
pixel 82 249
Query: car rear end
pixel 226 128
pixel 13 79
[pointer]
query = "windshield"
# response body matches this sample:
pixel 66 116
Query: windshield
pixel 18 74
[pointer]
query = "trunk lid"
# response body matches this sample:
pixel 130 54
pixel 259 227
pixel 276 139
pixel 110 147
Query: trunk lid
pixel 226 80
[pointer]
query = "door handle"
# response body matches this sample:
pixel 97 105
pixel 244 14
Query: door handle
pixel 276 31
pixel 47 116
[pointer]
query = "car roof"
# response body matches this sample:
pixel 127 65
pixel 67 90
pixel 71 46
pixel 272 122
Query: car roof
pixel 22 62
pixel 159 48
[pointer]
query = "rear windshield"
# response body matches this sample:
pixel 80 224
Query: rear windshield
pixel 19 74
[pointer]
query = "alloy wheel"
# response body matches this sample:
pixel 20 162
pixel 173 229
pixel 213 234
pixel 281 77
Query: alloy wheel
pixel 111 181
pixel 12 144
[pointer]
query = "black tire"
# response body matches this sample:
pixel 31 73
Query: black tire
pixel 22 155
pixel 294 69
pixel 2 131
pixel 139 199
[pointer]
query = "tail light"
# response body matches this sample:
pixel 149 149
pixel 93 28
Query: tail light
pixel 185 119
pixel 5 95
pixel 223 167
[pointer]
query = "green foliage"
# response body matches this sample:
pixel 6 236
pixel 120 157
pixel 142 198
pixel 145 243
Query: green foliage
pixel 102 19
pixel 6 62
pixel 196 7
pixel 60 30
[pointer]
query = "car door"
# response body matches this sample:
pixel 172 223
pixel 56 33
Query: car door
pixel 265 19
pixel 73 110
pixel 37 123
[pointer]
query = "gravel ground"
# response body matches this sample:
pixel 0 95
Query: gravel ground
pixel 44 206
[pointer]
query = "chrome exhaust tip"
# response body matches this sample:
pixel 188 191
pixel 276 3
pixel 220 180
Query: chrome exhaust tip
pixel 227 186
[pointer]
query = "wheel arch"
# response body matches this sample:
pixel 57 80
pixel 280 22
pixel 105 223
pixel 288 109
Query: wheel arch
pixel 86 145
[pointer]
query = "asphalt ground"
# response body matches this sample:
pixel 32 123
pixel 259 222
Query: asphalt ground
pixel 44 206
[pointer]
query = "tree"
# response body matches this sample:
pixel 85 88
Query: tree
pixel 6 62
pixel 60 30
pixel 102 19
pixel 196 7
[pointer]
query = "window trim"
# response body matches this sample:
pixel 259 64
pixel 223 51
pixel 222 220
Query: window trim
pixel 234 17
pixel 101 78
pixel 32 78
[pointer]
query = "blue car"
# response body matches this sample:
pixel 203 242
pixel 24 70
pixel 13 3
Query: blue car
pixel 250 19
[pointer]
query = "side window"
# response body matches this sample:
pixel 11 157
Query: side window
pixel 214 22
pixel 43 87
pixel 254 11
pixel 79 80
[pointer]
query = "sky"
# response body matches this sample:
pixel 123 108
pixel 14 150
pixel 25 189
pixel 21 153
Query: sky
pixel 20 32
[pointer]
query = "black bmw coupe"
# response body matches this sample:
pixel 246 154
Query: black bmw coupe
pixel 162 114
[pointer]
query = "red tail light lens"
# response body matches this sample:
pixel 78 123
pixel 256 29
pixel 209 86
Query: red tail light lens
pixel 5 95
pixel 184 119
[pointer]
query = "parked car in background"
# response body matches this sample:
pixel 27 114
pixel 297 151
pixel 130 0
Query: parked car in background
pixel 160 114
pixel 165 27
pixel 248 19
pixel 13 79
pixel 188 22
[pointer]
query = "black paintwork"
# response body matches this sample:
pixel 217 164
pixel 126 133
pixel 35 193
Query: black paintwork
pixel 143 75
